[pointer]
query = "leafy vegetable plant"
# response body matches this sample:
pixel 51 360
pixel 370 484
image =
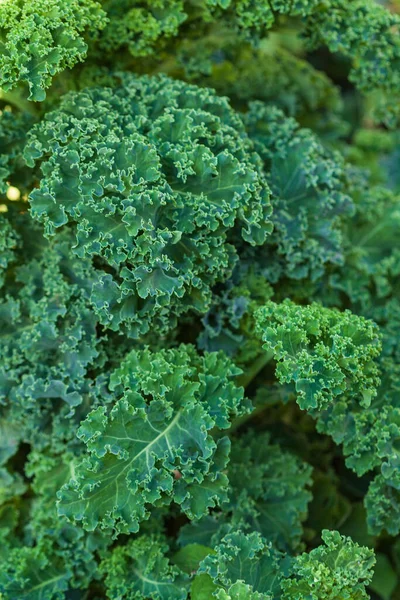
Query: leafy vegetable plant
pixel 200 300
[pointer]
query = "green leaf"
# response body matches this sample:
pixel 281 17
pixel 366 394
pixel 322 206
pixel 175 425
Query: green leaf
pixel 202 588
pixel 239 591
pixel 38 40
pixel 189 557
pixel 140 570
pixel 153 445
pixel 382 502
pixel 151 190
pixel 385 579
pixel 246 558
pixel 310 200
pixel 30 574
pixel 338 570
pixel 326 353
pixel 269 490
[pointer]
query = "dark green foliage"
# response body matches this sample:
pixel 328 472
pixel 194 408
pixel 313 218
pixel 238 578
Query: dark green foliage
pixel 156 208
pixel 199 300
pixel 39 38
pixel 137 448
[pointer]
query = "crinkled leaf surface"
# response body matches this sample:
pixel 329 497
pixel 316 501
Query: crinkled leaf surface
pixel 153 445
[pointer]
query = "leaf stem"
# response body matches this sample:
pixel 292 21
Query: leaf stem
pixel 245 379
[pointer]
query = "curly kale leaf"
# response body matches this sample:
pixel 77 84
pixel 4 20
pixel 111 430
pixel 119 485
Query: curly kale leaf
pixel 40 38
pixel 237 591
pixel 269 494
pixel 140 26
pixel 49 339
pixel 55 556
pixel 31 574
pixel 369 435
pixel 367 34
pixel 370 279
pixel 269 490
pixel 339 570
pixel 371 245
pixel 248 559
pixel 308 194
pixel 250 20
pixel 141 570
pixel 152 176
pixel 382 502
pixel 330 357
pixel 326 353
pixel 153 446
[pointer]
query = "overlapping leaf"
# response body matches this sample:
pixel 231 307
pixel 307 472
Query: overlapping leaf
pixel 41 38
pixel 324 352
pixel 156 207
pixel 153 446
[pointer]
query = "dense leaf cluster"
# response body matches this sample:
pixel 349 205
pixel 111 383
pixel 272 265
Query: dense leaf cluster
pixel 199 300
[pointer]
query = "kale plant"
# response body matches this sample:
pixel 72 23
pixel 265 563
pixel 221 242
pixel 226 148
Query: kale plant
pixel 200 300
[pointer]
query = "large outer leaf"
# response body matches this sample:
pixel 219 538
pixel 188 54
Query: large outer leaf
pixel 268 494
pixel 154 446
pixel 155 208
